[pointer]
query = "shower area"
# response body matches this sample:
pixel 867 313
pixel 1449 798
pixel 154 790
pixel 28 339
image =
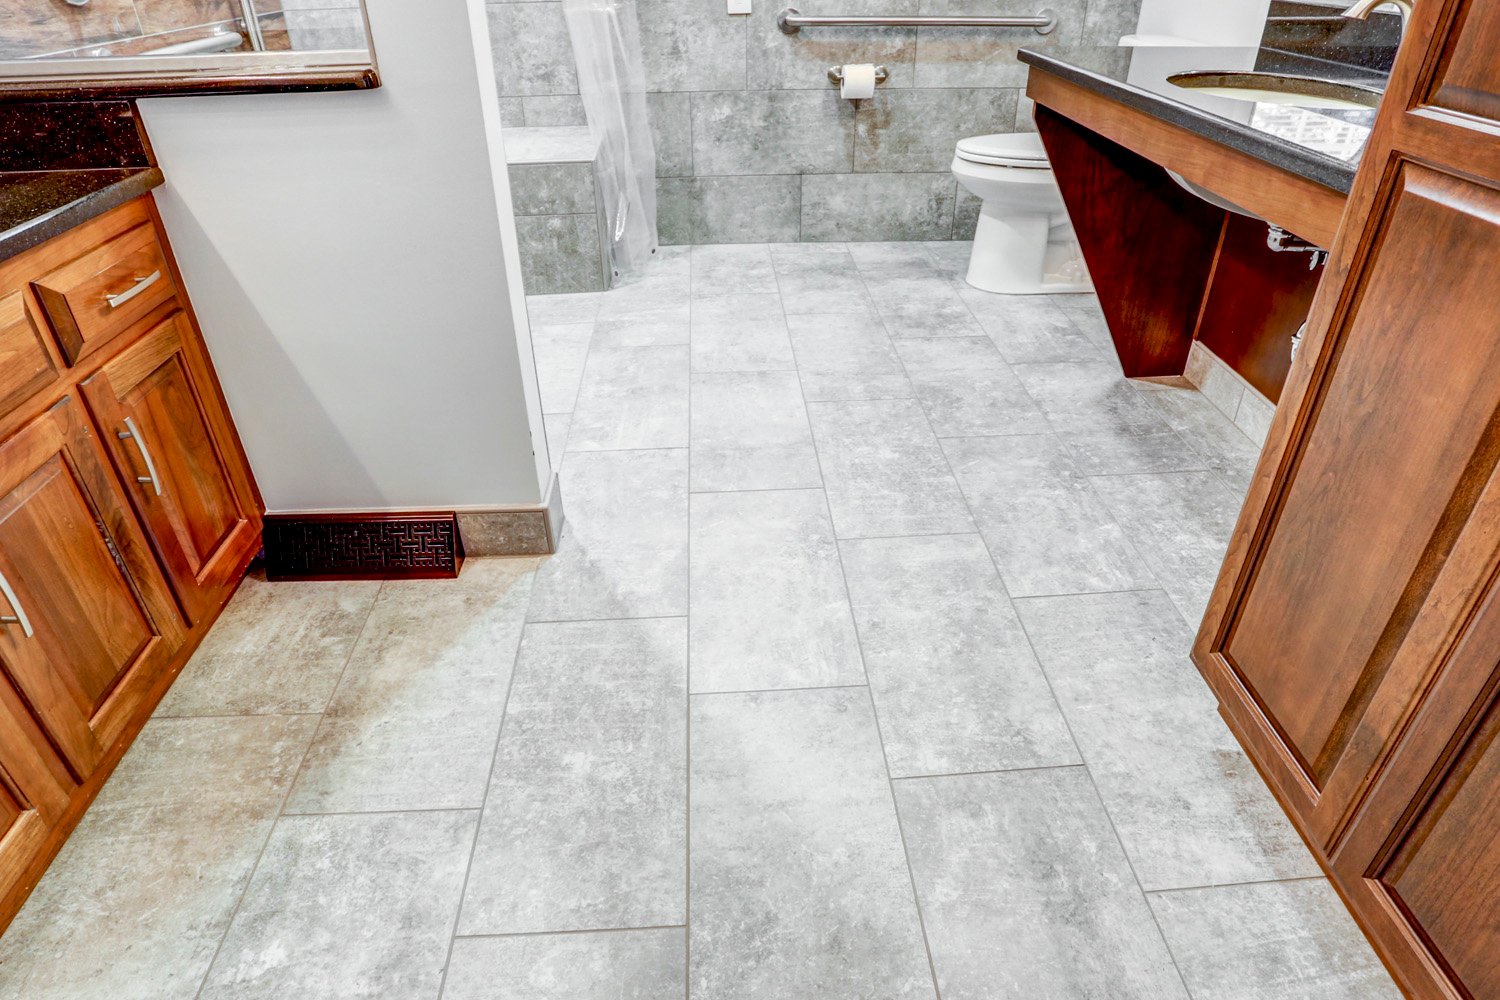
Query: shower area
pixel 67 29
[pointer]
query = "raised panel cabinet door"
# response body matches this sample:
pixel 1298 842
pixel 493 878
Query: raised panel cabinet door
pixel 152 405
pixel 85 624
pixel 34 788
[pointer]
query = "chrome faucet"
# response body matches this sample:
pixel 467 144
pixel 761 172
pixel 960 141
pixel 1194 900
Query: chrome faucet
pixel 1363 8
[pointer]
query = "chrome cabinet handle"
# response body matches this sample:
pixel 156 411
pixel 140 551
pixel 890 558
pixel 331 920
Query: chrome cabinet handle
pixel 19 618
pixel 133 433
pixel 141 284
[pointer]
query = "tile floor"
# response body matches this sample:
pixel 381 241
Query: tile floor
pixel 862 673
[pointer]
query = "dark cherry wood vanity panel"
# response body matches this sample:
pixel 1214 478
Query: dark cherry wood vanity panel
pixel 127 516
pixel 1353 638
pixel 1170 267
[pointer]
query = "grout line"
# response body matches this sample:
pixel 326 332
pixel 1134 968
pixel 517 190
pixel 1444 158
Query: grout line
pixel 287 795
pixel 571 930
pixel 1234 885
pixel 381 812
pixel 787 690
pixel 992 770
pixel 489 778
pixel 687 680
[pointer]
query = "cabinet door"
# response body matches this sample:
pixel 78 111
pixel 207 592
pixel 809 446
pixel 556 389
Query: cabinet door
pixel 86 625
pixel 154 408
pixel 34 787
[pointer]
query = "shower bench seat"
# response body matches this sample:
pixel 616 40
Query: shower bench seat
pixel 559 218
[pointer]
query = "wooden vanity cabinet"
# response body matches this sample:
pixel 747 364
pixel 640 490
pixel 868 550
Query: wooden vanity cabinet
pixel 128 515
pixel 1353 637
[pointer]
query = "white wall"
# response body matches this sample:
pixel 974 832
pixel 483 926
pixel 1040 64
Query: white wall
pixel 352 258
pixel 1211 22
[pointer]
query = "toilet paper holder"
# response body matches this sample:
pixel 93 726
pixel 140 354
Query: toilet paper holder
pixel 836 75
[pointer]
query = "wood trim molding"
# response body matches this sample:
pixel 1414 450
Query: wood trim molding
pixel 1293 202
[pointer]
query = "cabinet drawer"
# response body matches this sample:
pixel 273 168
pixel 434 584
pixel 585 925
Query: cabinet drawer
pixel 103 293
pixel 26 367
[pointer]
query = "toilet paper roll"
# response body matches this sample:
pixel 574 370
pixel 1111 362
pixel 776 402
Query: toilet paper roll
pixel 858 82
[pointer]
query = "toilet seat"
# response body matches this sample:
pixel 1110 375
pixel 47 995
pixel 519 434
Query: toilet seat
pixel 1005 149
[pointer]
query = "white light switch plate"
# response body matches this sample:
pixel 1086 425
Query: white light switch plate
pixel 739 6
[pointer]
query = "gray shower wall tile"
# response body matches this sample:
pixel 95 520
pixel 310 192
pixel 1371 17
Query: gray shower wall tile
pixel 554 110
pixel 560 253
pixel 749 209
pixel 772 132
pixel 671 120
pixel 1107 20
pixel 986 57
pixel 778 61
pixel 512 112
pixel 532 51
pixel 916 130
pixel 691 45
pixel 552 188
pixel 838 207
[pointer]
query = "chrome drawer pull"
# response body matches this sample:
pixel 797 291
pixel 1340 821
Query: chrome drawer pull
pixel 19 618
pixel 133 433
pixel 141 284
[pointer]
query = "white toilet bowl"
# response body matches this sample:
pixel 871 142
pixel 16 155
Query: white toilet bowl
pixel 1024 244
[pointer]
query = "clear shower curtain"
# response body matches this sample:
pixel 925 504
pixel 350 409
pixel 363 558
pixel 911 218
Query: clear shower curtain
pixel 612 81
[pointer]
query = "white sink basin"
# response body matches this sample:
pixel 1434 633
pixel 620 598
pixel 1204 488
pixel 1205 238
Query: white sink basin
pixel 1273 88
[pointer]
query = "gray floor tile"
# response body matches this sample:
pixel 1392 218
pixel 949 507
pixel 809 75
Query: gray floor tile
pixel 956 684
pixel 1025 892
pixel 1048 530
pixel 884 471
pixel 740 333
pixel 846 356
pixel 750 432
pixel 1189 806
pixel 1106 424
pixel 823 281
pixel 768 605
pixel 1274 941
pixel 555 310
pixel 799 887
pixel 1029 329
pixel 278 648
pixel 555 426
pixel 1223 447
pixel 135 905
pixel 413 723
pixel 347 906
pixel 1084 311
pixel 894 261
pixel 734 269
pixel 664 325
pixel 1181 523
pixel 560 353
pixel 634 397
pixel 923 308
pixel 967 389
pixel 584 827
pixel 617 965
pixel 623 552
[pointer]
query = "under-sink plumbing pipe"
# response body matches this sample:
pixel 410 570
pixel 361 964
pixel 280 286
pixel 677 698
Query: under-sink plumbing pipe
pixel 1281 241
pixel 252 25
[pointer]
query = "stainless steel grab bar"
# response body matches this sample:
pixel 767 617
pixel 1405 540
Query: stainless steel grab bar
pixel 793 20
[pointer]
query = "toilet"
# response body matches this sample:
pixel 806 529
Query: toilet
pixel 1024 244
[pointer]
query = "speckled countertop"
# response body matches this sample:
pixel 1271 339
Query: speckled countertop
pixel 1323 145
pixel 63 164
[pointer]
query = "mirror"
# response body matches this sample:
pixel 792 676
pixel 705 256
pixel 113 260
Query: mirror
pixel 113 48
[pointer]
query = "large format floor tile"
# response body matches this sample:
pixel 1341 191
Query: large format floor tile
pixel 1218 440
pixel 1029 329
pixel 799 886
pixel 741 333
pixel 135 905
pixel 560 353
pixel 967 389
pixel 584 825
pixel 885 472
pixel 1188 804
pixel 623 552
pixel 734 269
pixel 750 432
pixel 846 356
pixel 632 397
pixel 1048 530
pixel 1271 941
pixel 1181 523
pixel 348 906
pixel 413 723
pixel 1025 892
pixel 956 684
pixel 614 965
pixel 278 648
pixel 768 605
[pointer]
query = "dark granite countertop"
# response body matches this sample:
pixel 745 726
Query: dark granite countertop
pixel 36 205
pixel 1322 145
